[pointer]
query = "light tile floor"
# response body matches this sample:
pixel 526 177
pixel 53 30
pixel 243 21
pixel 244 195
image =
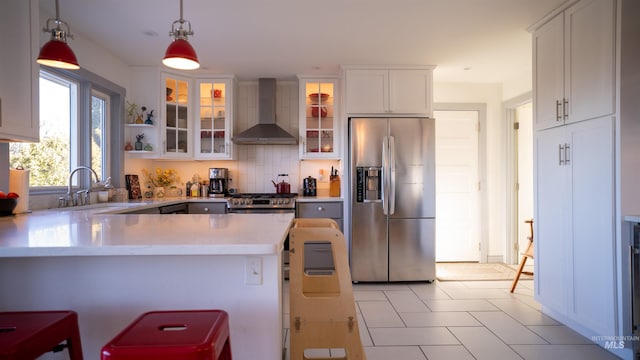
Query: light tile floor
pixel 457 321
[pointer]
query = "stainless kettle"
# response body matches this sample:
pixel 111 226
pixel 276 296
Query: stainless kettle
pixel 309 186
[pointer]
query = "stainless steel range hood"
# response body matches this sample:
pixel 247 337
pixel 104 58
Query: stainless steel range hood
pixel 266 132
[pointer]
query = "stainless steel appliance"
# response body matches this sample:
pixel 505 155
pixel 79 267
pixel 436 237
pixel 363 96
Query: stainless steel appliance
pixel 635 288
pixel 261 203
pixel 218 182
pixel 309 186
pixel 392 190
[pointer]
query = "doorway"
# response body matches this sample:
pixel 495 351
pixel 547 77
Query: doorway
pixel 519 114
pixel 458 183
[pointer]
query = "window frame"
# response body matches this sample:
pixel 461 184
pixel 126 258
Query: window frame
pixel 113 159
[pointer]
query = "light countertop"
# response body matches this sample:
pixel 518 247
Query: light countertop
pixel 99 230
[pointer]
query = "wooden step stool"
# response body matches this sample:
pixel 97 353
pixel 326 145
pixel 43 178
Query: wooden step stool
pixel 29 334
pixel 528 253
pixel 164 335
pixel 322 307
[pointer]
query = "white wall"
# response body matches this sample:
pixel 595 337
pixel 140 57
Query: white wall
pixel 490 94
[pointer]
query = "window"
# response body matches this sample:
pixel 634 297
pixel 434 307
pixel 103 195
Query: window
pixel 99 132
pixel 76 128
pixel 49 160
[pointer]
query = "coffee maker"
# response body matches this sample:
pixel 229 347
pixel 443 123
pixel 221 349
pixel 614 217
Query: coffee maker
pixel 309 186
pixel 218 182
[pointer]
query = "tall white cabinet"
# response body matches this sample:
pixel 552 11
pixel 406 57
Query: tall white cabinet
pixel 575 247
pixel 574 93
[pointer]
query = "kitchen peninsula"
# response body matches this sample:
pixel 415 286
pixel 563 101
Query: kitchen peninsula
pixel 110 268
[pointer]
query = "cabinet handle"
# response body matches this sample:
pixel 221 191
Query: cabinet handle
pixel 565 108
pixel 567 153
pixel 226 148
pixel 320 208
pixel 558 116
pixel 560 151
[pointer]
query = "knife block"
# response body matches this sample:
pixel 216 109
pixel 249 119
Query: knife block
pixel 334 186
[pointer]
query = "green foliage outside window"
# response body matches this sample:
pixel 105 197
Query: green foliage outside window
pixel 46 161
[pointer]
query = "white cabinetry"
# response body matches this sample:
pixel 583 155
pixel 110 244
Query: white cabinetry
pixel 176 129
pixel 574 64
pixel 19 72
pixel 397 91
pixel 575 237
pixel 214 124
pixel 319 118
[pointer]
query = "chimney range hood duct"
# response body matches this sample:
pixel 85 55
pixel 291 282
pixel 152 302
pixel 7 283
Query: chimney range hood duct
pixel 266 132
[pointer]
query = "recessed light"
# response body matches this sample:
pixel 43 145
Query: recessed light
pixel 467 68
pixel 150 33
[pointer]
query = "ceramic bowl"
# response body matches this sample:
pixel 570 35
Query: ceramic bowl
pixel 7 205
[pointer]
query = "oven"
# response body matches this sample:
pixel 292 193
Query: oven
pixel 267 203
pixel 252 203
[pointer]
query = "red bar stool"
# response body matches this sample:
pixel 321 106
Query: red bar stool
pixel 184 335
pixel 29 334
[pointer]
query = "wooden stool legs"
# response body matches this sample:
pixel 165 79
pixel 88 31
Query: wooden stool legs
pixel 525 255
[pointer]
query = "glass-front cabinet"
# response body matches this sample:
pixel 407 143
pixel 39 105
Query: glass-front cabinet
pixel 319 118
pixel 214 124
pixel 176 128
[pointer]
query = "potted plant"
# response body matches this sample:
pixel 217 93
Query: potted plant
pixel 132 112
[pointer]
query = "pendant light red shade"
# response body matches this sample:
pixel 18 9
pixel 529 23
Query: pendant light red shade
pixel 181 55
pixel 58 54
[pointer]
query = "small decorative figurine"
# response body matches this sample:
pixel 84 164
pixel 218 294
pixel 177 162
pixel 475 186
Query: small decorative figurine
pixel 149 120
pixel 138 143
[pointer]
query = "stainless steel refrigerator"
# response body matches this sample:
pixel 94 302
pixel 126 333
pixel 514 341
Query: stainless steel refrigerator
pixel 392 190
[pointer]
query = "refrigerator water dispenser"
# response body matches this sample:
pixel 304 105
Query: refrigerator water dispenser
pixel 369 184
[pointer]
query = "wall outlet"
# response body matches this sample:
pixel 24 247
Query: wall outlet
pixel 253 270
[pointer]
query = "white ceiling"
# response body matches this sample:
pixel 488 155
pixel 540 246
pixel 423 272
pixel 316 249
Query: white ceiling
pixel 282 38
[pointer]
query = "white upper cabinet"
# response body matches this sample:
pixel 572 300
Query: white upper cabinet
pixel 19 72
pixel 396 91
pixel 177 125
pixel 574 64
pixel 319 118
pixel 214 122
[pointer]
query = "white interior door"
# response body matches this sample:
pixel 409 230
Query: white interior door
pixel 457 189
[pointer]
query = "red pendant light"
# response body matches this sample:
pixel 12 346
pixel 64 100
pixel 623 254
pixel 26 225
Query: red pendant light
pixel 56 52
pixel 180 54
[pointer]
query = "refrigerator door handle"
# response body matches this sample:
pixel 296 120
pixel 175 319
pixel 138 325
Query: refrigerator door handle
pixel 392 175
pixel 385 173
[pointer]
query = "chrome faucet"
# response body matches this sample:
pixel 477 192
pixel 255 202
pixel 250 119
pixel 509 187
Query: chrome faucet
pixel 81 195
